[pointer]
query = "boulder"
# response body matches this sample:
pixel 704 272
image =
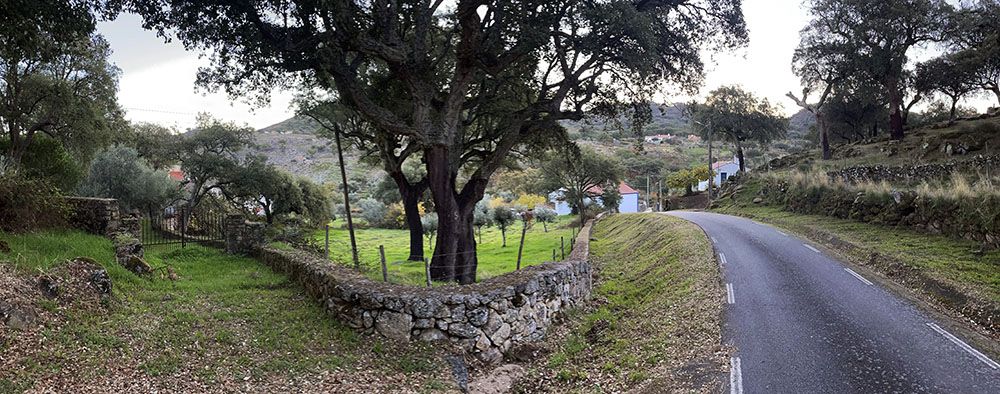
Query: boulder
pixel 394 325
pixel 137 265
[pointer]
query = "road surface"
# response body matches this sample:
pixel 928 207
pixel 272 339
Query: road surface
pixel 802 322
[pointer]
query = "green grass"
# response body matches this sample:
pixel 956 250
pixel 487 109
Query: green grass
pixel 225 316
pixel 658 305
pixel 494 259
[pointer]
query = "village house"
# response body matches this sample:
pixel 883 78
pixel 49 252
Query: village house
pixel 723 170
pixel 629 201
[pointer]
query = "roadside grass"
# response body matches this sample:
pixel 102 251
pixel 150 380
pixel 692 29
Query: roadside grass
pixel 225 319
pixel 962 263
pixel 657 309
pixel 494 259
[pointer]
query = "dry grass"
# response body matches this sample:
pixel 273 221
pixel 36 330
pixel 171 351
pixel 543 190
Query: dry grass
pixel 958 186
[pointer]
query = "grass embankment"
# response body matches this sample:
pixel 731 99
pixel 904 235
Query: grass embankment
pixel 494 258
pixel 226 324
pixel 656 317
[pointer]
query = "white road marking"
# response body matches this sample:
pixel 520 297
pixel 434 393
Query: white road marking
pixel 964 346
pixel 730 297
pixel 782 233
pixel 856 275
pixel 811 248
pixel 722 258
pixel 735 376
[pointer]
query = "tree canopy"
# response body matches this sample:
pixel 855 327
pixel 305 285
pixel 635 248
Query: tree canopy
pixel 469 82
pixel 739 116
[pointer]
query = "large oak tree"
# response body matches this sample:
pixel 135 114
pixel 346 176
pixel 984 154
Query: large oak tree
pixel 479 78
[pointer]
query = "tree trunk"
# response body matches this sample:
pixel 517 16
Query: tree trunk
pixel 895 112
pixel 954 104
pixel 454 256
pixel 503 235
pixel 545 227
pixel 411 209
pixel 739 156
pixel 824 135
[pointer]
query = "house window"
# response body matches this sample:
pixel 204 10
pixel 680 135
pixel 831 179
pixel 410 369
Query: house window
pixel 723 176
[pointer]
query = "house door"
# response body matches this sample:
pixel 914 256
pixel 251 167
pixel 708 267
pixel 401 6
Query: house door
pixel 723 176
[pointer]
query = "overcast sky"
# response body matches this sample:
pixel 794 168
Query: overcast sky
pixel 157 83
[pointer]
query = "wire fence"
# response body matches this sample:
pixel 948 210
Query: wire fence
pixel 373 263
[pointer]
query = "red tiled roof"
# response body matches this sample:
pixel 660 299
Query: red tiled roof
pixel 623 188
pixel 176 174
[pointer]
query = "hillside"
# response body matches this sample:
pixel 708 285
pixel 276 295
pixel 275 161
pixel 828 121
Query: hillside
pixel 938 143
pixel 293 146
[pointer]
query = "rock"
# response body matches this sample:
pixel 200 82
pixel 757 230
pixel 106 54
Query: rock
pixel 423 323
pixel 426 308
pixel 497 381
pixel 137 265
pixel 431 335
pixel 483 343
pixel 101 281
pixel 17 320
pixel 491 356
pixel 757 200
pixel 501 334
pixel 463 330
pixel 49 286
pixel 394 325
pixel 478 316
pixel 441 324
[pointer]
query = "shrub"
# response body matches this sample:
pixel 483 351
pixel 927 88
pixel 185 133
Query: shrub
pixel 46 159
pixel 430 224
pixel 530 201
pixel 372 211
pixel 28 204
pixel 119 173
pixel 503 217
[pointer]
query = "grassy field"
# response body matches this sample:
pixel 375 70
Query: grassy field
pixel 656 319
pixel 494 258
pixel 226 324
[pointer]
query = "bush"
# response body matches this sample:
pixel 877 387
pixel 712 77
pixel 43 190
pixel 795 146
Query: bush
pixel 430 224
pixel 119 173
pixel 28 204
pixel 46 159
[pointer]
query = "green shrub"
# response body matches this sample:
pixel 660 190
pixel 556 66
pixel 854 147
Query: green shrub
pixel 46 159
pixel 28 204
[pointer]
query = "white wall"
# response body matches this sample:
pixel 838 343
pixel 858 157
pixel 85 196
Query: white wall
pixel 630 203
pixel 729 169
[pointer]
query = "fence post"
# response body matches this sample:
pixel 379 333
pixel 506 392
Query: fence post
pixel 553 255
pixel 562 247
pixel 327 241
pixel 520 248
pixel 385 272
pixel 427 272
pixel 184 224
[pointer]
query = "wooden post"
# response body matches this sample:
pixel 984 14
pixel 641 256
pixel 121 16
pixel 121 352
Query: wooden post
pixel 427 272
pixel 553 255
pixel 327 241
pixel 347 200
pixel 711 176
pixel 562 247
pixel 385 272
pixel 520 248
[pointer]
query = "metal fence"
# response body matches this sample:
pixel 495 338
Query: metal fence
pixel 179 226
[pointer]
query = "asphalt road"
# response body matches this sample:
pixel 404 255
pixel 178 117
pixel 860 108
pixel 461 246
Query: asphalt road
pixel 802 322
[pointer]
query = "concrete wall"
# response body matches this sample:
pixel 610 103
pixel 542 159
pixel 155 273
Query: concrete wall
pixel 486 319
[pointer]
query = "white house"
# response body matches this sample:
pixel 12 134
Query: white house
pixel 723 170
pixel 629 201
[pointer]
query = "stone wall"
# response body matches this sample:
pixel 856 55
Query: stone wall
pixel 94 215
pixel 486 318
pixel 918 173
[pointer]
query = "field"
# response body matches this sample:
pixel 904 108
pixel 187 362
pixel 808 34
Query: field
pixel 494 258
pixel 225 324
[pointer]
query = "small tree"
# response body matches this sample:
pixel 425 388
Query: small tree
pixel 611 198
pixel 119 173
pixel 430 225
pixel 580 172
pixel 503 217
pixel 372 211
pixel 545 215
pixel 482 217
pixel 680 180
pixel 530 201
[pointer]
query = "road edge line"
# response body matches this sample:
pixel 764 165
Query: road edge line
pixel 964 346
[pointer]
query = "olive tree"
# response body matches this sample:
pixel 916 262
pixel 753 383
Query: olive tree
pixel 119 173
pixel 739 117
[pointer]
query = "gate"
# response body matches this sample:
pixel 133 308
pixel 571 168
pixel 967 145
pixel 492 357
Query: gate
pixel 176 225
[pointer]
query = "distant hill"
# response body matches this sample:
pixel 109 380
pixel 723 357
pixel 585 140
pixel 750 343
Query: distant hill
pixel 800 124
pixel 293 146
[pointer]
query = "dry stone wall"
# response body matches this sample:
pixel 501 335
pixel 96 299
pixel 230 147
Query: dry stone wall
pixel 486 319
pixel 94 215
pixel 918 173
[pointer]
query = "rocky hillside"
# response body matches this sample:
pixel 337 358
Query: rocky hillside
pixel 293 146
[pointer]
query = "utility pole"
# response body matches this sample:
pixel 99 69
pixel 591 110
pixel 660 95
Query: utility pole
pixel 347 200
pixel 711 174
pixel 659 195
pixel 647 191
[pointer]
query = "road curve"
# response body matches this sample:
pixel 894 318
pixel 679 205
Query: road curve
pixel 802 322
